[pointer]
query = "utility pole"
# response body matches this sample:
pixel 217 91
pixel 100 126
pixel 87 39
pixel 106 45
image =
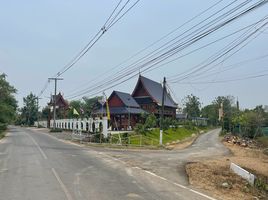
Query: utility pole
pixel 54 100
pixel 128 124
pixel 37 102
pixel 162 112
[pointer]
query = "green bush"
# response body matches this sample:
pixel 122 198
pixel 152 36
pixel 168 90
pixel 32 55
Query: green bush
pixel 2 134
pixel 140 129
pixel 57 130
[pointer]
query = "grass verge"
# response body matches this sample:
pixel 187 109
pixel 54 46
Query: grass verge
pixel 263 141
pixel 152 137
pixel 2 134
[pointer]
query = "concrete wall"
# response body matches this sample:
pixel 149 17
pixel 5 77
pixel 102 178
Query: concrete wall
pixel 243 173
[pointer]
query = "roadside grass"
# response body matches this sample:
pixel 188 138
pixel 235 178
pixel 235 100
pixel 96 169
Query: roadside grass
pixel 152 137
pixel 2 134
pixel 263 141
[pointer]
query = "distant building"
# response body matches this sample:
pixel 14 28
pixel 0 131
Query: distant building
pixel 181 117
pixel 62 106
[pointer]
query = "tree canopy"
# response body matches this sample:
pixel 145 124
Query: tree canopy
pixel 84 107
pixel 29 111
pixel 192 106
pixel 8 103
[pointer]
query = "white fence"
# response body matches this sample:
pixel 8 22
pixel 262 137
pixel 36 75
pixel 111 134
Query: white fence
pixel 87 125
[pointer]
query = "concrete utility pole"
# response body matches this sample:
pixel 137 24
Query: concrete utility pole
pixel 128 124
pixel 162 112
pixel 37 102
pixel 54 100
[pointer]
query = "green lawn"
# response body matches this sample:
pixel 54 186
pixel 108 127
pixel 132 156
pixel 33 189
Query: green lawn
pixel 152 137
pixel 2 134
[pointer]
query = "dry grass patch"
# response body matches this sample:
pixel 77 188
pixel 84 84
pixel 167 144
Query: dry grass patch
pixel 216 177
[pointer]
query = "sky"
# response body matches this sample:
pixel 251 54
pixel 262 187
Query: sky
pixel 38 38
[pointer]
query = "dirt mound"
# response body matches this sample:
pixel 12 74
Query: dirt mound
pixel 216 177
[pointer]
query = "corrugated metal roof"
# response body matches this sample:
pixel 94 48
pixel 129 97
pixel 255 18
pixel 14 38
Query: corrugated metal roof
pixel 127 99
pixel 155 89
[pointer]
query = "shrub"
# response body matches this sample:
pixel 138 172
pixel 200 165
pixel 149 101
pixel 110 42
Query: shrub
pixel 140 129
pixel 57 130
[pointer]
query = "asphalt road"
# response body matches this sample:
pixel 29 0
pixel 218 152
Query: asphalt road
pixel 34 165
pixel 171 164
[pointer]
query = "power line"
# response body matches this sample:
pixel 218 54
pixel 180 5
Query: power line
pixel 227 80
pixel 152 44
pixel 107 25
pixel 233 66
pixel 227 49
pixel 111 21
pixel 174 50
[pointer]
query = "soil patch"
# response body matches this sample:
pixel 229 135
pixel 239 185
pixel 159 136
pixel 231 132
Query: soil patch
pixel 216 177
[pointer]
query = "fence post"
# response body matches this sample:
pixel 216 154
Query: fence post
pixel 80 134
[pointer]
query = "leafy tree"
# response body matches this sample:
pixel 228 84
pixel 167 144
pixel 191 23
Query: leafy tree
pixel 29 111
pixel 150 122
pixel 166 123
pixel 45 113
pixel 192 106
pixel 8 103
pixel 86 105
pixel 251 121
pixel 75 104
pixel 140 129
pixel 229 110
pixel 211 112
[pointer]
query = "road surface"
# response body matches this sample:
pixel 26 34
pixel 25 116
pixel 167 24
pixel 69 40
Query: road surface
pixel 34 165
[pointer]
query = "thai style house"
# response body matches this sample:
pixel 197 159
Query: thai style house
pixel 126 109
pixel 62 106
pixel 148 94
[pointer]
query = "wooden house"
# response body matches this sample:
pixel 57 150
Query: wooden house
pixel 62 107
pixel 148 94
pixel 124 111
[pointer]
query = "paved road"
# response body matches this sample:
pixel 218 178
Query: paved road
pixel 171 164
pixel 34 165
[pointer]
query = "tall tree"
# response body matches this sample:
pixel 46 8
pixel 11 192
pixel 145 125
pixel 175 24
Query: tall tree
pixel 89 103
pixel 84 106
pixel 229 110
pixel 29 111
pixel 8 103
pixel 192 106
pixel 45 113
pixel 211 112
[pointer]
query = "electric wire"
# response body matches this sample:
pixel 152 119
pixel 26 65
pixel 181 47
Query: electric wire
pixel 227 49
pixel 111 21
pixel 150 45
pixel 226 22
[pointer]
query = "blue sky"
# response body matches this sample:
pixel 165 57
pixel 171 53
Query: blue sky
pixel 38 38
